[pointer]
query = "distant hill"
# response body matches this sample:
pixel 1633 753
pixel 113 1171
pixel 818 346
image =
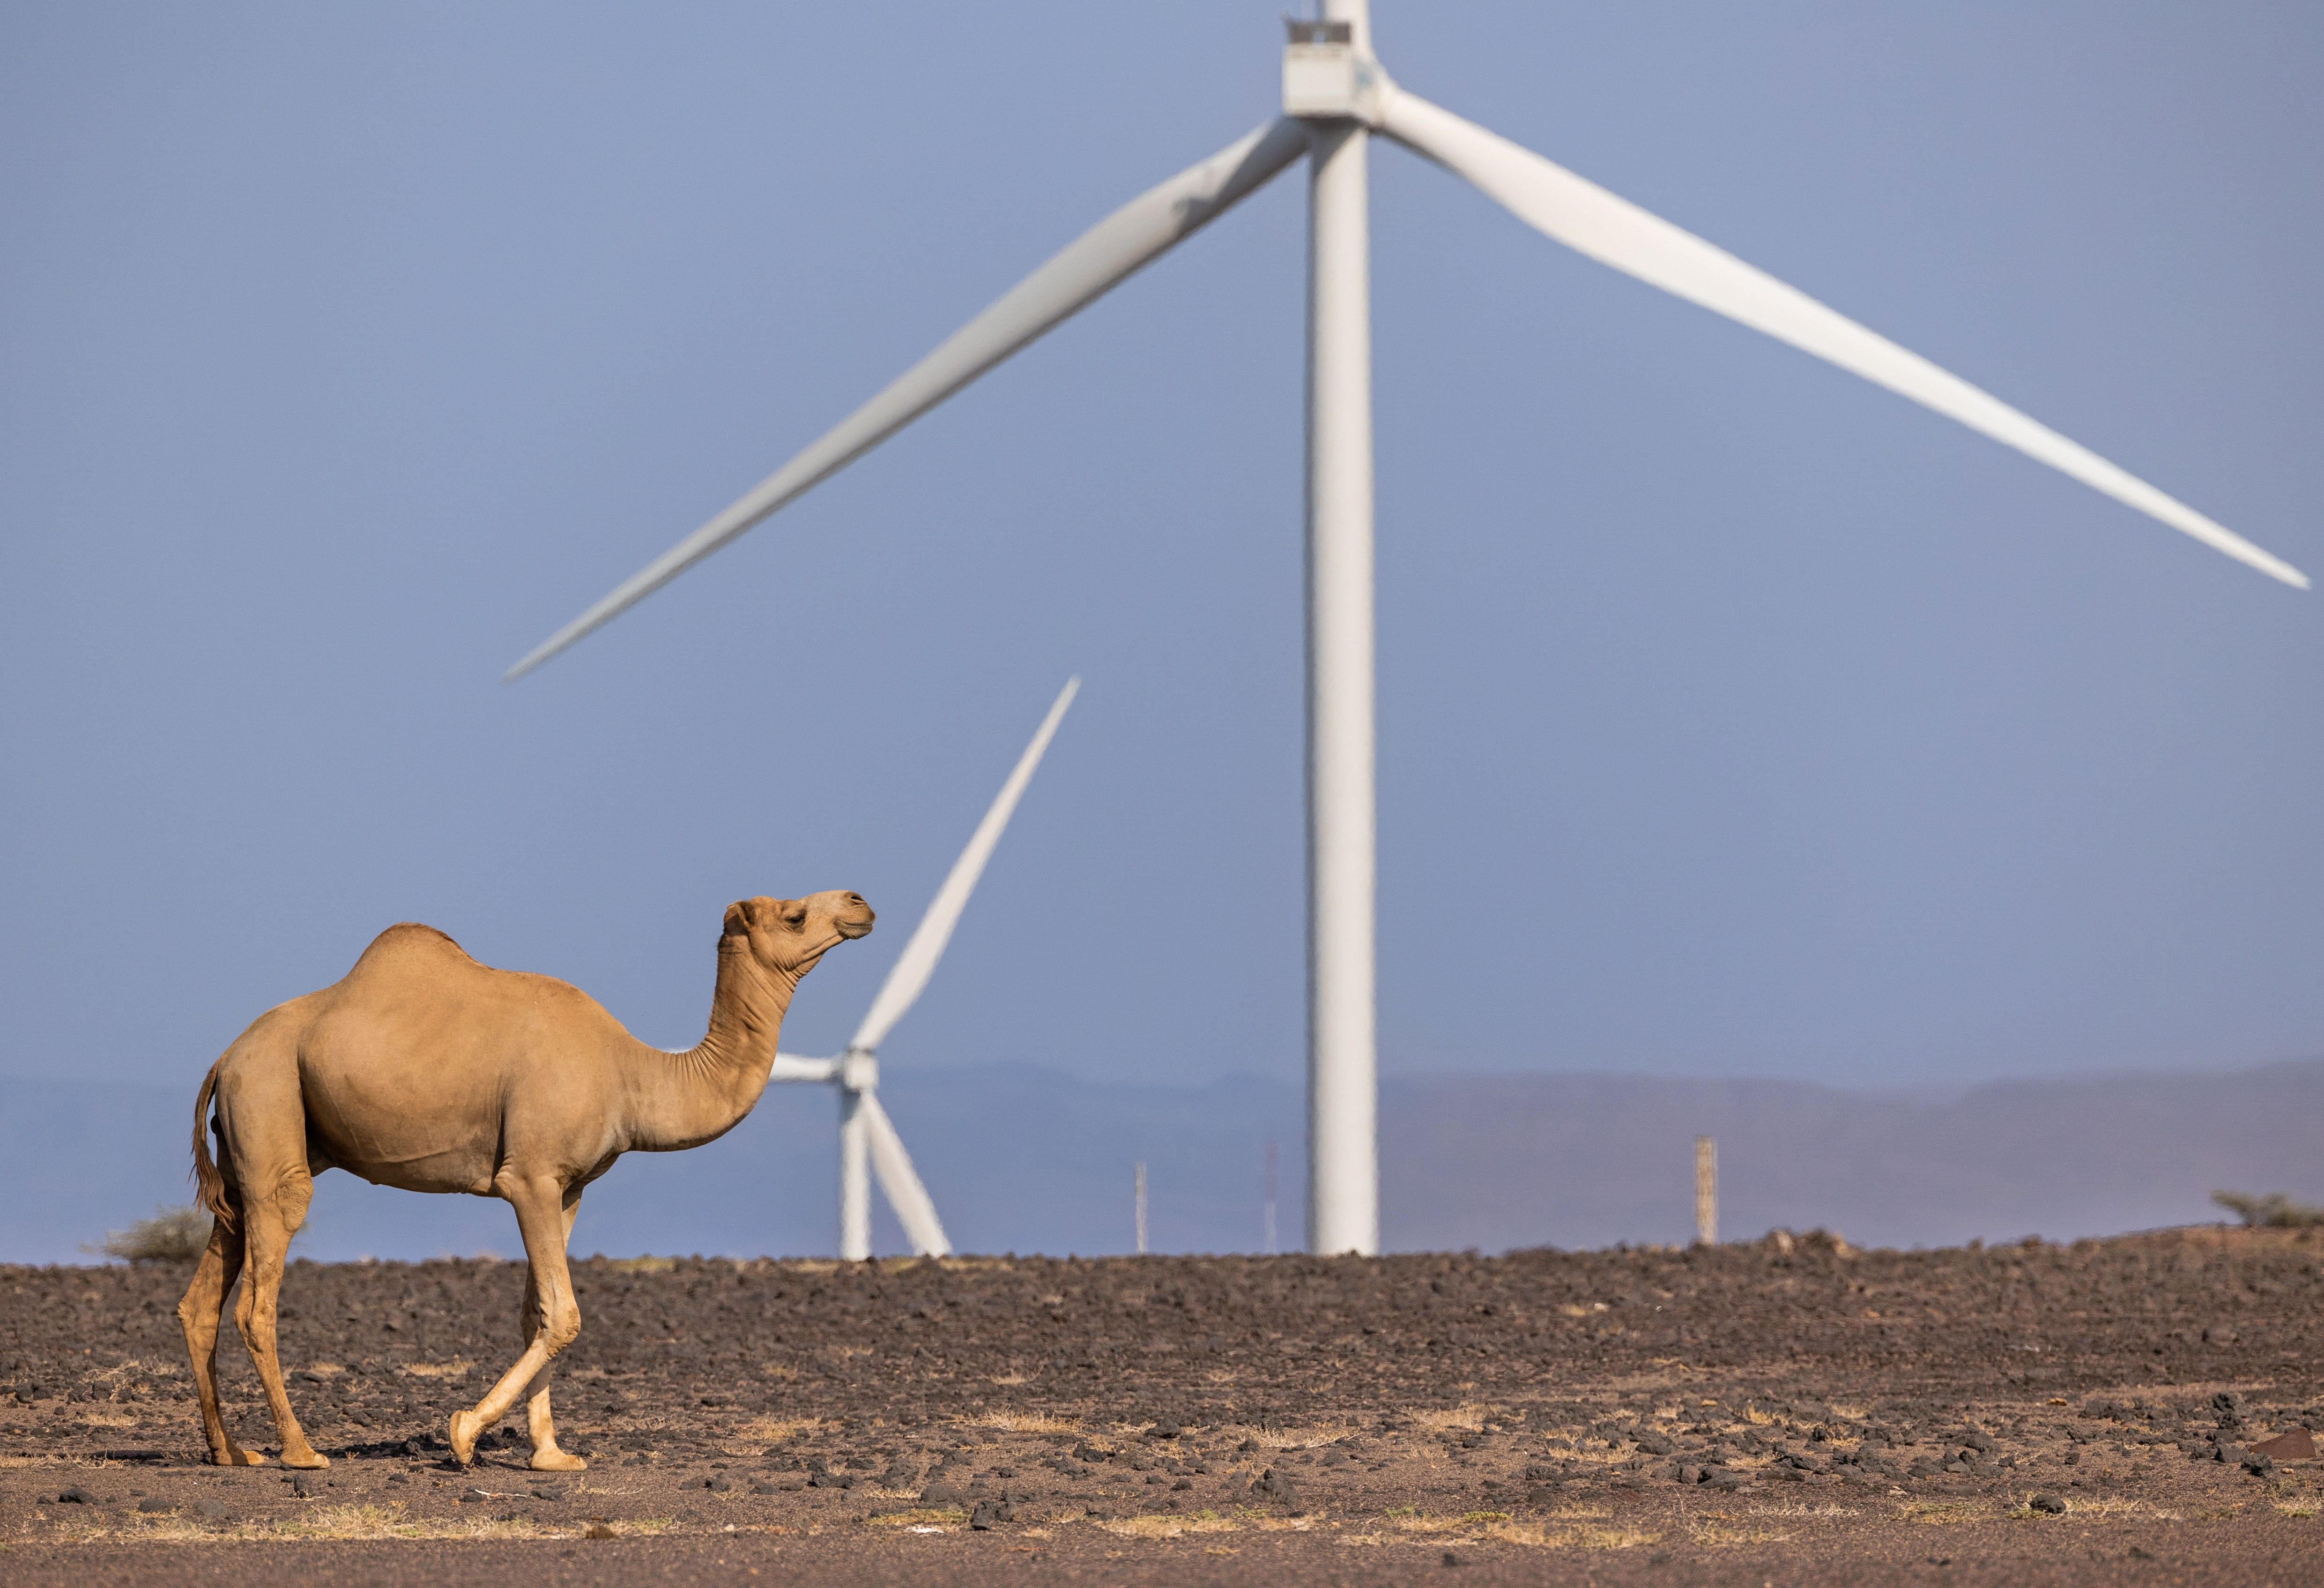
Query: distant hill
pixel 1021 1160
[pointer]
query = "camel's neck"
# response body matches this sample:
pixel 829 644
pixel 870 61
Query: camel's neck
pixel 680 1100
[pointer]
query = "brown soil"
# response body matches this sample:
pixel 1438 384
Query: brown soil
pixel 2029 1414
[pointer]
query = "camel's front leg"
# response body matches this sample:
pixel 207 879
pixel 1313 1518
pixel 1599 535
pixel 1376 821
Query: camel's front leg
pixel 546 1455
pixel 540 1219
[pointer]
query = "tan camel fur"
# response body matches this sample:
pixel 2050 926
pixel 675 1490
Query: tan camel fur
pixel 423 1069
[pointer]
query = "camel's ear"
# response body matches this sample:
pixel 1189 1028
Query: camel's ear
pixel 738 918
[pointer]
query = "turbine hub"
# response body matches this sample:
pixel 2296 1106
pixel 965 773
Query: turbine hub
pixel 857 1071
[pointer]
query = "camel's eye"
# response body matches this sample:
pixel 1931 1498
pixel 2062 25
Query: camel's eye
pixel 795 919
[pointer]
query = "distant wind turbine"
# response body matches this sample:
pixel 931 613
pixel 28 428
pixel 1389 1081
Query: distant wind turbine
pixel 865 1131
pixel 1335 95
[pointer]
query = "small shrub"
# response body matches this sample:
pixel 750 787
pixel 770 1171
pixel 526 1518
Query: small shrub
pixel 2274 1211
pixel 173 1234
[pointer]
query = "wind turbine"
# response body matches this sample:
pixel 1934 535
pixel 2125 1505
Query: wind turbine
pixel 865 1131
pixel 1335 95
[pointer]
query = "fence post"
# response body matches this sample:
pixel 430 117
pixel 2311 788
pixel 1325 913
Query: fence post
pixel 1706 1191
pixel 1141 1210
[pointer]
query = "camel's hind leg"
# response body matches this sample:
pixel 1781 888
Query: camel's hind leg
pixel 268 1223
pixel 200 1313
pixel 546 1455
pixel 542 1218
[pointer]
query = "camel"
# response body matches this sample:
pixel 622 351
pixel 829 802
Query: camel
pixel 423 1069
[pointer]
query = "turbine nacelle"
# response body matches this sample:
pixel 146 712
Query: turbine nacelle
pixel 1327 76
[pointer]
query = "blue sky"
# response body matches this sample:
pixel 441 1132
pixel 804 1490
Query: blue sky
pixel 1736 717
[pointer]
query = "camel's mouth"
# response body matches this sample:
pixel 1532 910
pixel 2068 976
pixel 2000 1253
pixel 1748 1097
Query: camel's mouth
pixel 855 926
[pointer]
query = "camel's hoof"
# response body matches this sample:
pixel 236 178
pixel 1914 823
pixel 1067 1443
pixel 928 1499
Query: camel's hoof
pixel 305 1460
pixel 553 1460
pixel 466 1427
pixel 235 1456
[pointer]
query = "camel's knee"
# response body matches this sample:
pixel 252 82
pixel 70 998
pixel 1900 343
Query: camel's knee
pixel 561 1326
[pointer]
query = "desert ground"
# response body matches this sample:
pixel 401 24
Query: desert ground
pixel 1788 1410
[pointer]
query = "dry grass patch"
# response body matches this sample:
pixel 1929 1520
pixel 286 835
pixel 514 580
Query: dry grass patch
pixel 1823 1512
pixel 1414 1521
pixel 456 1368
pixel 1010 1380
pixel 1496 1526
pixel 2095 1510
pixel 120 1371
pixel 1030 1422
pixel 1543 1536
pixel 775 1430
pixel 1468 1419
pixel 1273 1437
pixel 354 1523
pixel 2117 1510
pixel 388 1521
pixel 1944 1512
pixel 1726 1535
pixel 2298 1508
pixel 640 1265
pixel 1158 1527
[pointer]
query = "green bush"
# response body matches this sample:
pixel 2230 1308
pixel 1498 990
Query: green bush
pixel 2274 1211
pixel 173 1234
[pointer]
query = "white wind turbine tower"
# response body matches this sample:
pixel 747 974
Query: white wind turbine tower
pixel 865 1131
pixel 1335 95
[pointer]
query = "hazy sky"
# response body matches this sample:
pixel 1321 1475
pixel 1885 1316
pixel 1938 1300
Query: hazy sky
pixel 1736 716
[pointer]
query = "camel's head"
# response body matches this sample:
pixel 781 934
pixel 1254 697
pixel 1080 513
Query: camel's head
pixel 790 935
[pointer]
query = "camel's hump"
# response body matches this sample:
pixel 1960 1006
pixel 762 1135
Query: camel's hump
pixel 406 937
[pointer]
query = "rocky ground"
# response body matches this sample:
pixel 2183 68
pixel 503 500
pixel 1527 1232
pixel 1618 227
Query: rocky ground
pixel 2119 1411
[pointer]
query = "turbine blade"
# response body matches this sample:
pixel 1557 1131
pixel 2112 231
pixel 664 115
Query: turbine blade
pixel 790 1066
pixel 917 963
pixel 1132 236
pixel 1613 231
pixel 906 1195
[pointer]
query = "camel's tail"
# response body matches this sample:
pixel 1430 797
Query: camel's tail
pixel 211 1186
